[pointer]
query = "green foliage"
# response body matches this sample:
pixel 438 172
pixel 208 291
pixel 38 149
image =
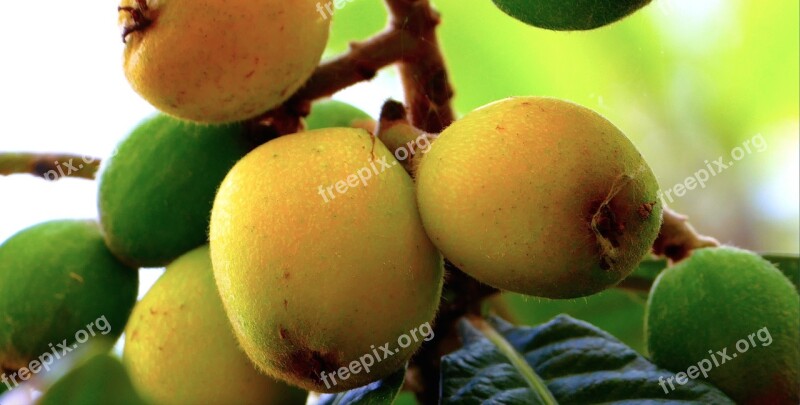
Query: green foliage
pixel 617 312
pixel 719 299
pixel 578 362
pixel 569 15
pixel 58 281
pixel 100 380
pixel 789 265
pixel 156 192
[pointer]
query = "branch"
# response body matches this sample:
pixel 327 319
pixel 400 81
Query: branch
pixel 410 39
pixel 49 166
pixel 425 80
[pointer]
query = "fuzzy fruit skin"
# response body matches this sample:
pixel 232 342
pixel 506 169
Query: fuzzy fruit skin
pixel 333 114
pixel 712 300
pixel 310 286
pixel 55 279
pixel 510 192
pixel 101 379
pixel 179 332
pixel 155 194
pixel 216 61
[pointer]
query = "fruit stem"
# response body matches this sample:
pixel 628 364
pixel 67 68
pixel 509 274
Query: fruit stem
pixel 406 142
pixel 138 20
pixel 678 238
pixel 49 166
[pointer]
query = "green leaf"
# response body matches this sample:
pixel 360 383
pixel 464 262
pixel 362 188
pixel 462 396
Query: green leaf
pixel 381 392
pixel 99 380
pixel 578 362
pixel 569 15
pixel 789 265
pixel 616 311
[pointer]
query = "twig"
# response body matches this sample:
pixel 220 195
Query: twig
pixel 409 39
pixel 425 80
pixel 49 166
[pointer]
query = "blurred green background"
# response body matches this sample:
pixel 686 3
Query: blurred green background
pixel 688 81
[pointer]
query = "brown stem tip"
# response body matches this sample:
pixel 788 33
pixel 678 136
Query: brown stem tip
pixel 138 20
pixel 678 238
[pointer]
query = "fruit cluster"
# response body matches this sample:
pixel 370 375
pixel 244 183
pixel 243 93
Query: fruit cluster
pixel 268 287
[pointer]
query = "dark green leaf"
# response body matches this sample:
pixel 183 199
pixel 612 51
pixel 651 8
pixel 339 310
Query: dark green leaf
pixel 381 392
pixel 100 380
pixel 789 265
pixel 569 15
pixel 579 363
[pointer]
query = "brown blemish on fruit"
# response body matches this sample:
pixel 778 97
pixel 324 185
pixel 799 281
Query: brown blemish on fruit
pixel 606 225
pixel 8 369
pixel 646 209
pixel 305 364
pixel 286 275
pixel 140 18
pixel 154 311
pixel 12 363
